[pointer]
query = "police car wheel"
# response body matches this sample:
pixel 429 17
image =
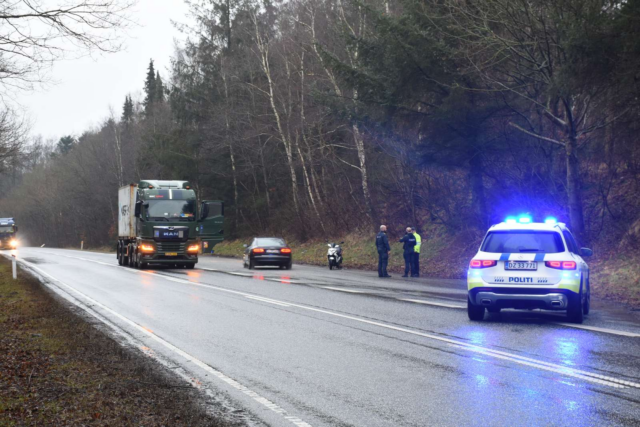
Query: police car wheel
pixel 252 265
pixel 587 303
pixel 575 312
pixel 475 312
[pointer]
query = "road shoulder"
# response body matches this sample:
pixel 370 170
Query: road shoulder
pixel 58 368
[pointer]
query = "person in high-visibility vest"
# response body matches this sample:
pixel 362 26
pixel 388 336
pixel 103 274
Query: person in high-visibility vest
pixel 415 264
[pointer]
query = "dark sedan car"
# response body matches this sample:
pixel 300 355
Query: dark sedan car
pixel 265 251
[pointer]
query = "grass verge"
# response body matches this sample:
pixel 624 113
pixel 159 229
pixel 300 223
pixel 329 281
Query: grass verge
pixel 58 369
pixel 442 255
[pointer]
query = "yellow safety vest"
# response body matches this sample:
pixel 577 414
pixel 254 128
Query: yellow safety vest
pixel 418 242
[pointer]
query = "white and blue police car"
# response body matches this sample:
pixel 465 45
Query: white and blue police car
pixel 523 264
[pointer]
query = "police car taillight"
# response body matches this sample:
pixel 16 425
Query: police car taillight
pixel 561 265
pixel 477 263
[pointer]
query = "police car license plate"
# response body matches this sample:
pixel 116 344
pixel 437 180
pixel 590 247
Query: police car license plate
pixel 273 251
pixel 521 265
pixel 171 254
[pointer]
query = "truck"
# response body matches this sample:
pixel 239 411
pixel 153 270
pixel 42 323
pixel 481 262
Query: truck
pixel 8 233
pixel 162 223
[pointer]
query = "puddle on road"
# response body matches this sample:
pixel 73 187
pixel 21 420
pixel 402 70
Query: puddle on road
pixel 37 260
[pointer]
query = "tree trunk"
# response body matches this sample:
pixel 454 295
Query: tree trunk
pixel 362 158
pixel 574 188
pixel 478 199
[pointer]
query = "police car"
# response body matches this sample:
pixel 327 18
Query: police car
pixel 527 265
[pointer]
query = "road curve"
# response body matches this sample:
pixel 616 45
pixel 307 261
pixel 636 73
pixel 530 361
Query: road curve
pixel 313 347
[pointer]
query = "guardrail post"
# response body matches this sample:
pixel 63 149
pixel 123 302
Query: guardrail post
pixel 13 266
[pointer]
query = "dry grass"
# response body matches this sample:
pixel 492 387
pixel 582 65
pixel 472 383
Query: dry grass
pixel 617 278
pixel 57 369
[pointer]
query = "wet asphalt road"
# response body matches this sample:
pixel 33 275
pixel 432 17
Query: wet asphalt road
pixel 338 348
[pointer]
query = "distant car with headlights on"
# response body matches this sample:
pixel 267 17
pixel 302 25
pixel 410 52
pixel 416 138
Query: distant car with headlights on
pixel 267 251
pixel 527 265
pixel 8 233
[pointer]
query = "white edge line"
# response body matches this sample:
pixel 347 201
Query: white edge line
pixel 235 384
pixel 419 301
pixel 564 370
pixel 341 290
pixel 268 300
pixel 598 329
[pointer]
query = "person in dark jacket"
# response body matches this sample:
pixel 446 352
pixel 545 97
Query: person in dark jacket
pixel 409 241
pixel 383 248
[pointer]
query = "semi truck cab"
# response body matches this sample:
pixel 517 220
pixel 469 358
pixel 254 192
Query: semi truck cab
pixel 160 223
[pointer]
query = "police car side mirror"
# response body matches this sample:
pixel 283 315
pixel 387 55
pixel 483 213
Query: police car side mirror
pixel 342 243
pixel 586 252
pixel 245 246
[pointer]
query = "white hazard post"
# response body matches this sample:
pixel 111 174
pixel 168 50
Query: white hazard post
pixel 13 265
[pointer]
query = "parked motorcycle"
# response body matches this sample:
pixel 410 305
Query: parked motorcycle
pixel 334 255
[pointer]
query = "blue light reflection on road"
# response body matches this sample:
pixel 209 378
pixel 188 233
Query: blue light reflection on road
pixel 485 380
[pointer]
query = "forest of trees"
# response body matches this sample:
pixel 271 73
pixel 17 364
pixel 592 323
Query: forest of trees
pixel 315 118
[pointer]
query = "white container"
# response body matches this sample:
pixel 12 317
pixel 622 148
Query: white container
pixel 126 211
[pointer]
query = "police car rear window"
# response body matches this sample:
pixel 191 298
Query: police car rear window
pixel 523 241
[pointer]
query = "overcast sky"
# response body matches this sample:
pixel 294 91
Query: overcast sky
pixel 85 88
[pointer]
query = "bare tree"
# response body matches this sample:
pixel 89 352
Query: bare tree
pixel 35 33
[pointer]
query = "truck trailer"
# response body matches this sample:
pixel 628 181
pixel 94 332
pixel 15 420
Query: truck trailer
pixel 8 233
pixel 161 222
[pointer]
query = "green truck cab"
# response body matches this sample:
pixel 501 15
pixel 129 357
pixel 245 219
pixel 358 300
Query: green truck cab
pixel 8 233
pixel 161 222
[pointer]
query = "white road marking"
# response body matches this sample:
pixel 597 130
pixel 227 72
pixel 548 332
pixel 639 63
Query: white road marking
pixel 514 358
pixel 585 327
pixel 235 384
pixel 598 329
pixel 341 290
pixel 420 301
pixel 270 301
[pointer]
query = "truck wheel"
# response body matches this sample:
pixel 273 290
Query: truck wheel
pixel 131 255
pixel 475 312
pixel 575 312
pixel 119 254
pixel 143 265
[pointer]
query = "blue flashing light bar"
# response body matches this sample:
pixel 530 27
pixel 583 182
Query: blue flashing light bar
pixel 551 221
pixel 511 220
pixel 524 219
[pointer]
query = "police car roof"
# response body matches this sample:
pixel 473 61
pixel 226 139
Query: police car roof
pixel 534 226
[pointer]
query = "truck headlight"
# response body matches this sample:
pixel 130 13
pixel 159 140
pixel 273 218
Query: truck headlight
pixel 13 243
pixel 147 248
pixel 193 248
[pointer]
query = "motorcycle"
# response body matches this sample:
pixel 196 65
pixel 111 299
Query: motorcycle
pixel 334 255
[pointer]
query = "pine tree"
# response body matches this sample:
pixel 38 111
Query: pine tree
pixel 65 144
pixel 150 89
pixel 159 96
pixel 127 110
